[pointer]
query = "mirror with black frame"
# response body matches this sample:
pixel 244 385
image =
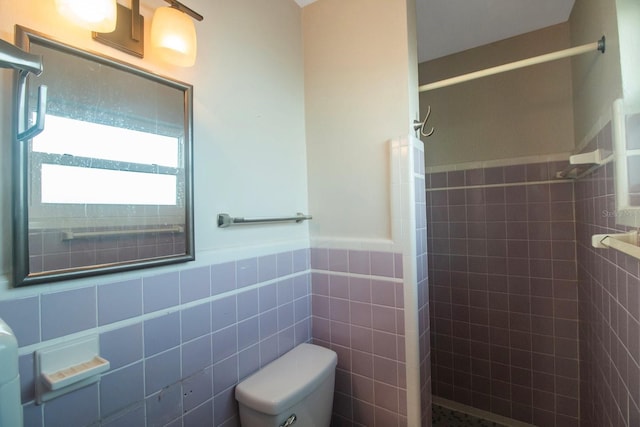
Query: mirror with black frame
pixel 107 186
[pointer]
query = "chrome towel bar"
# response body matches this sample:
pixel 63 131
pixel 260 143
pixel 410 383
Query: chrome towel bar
pixel 72 235
pixel 225 220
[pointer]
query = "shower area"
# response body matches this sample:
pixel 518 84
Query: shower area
pixel 530 325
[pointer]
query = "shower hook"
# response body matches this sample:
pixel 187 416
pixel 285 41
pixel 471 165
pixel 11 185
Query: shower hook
pixel 419 125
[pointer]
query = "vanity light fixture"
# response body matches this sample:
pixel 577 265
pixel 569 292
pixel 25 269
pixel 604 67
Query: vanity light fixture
pixel 173 34
pixel 96 15
pixel 128 35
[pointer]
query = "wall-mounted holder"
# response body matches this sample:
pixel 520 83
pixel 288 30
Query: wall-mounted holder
pixel 68 366
pixel 583 163
pixel 225 220
pixel 129 33
pixel 419 126
pixel 624 242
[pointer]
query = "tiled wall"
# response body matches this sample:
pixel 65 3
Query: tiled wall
pixel 423 290
pixel 504 308
pixel 178 342
pixel 358 311
pixel 49 251
pixel 609 295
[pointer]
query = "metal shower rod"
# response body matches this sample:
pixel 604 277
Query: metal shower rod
pixel 599 46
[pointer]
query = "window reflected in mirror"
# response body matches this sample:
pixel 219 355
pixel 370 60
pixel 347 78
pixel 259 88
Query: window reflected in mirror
pixel 108 181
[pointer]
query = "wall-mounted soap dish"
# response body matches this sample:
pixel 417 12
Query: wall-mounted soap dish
pixel 67 367
pixel 583 163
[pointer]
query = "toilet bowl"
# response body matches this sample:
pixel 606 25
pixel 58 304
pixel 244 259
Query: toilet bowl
pixel 294 390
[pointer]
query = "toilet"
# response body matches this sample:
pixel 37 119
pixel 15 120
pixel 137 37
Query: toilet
pixel 294 390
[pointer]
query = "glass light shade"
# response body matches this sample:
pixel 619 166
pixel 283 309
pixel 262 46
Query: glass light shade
pixel 95 15
pixel 173 36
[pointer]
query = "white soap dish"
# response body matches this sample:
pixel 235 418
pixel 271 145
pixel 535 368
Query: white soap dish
pixel 76 373
pixel 68 366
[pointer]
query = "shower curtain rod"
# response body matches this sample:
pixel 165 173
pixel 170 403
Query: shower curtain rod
pixel 599 45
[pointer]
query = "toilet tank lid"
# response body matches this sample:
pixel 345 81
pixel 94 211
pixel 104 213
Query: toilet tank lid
pixel 287 380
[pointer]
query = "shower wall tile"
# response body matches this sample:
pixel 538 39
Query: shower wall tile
pixel 162 370
pixel 197 390
pixel 122 346
pixel 200 416
pixel 267 267
pixel 300 260
pixel 195 322
pixel 355 313
pixel 176 347
pixel 246 272
pixel 196 355
pixel 609 327
pixel 161 291
pixel 247 304
pixel 119 301
pixel 121 388
pixel 285 263
pixel 164 406
pixel 225 409
pixel 135 417
pixel 23 315
pixel 79 408
pixel 195 284
pixel 223 312
pixel 223 277
pixel 161 333
pixel 63 313
pixel 503 292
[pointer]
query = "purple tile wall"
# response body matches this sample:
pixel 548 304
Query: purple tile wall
pixel 178 363
pixel 49 251
pixel 609 306
pixel 424 329
pixel 360 315
pixel 503 292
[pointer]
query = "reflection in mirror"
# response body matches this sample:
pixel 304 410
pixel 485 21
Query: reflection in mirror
pixel 107 185
pixel 626 116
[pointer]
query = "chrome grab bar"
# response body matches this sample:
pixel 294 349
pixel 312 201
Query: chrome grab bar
pixel 73 235
pixel 225 220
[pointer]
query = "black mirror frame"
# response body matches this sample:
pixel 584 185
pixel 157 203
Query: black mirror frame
pixel 21 271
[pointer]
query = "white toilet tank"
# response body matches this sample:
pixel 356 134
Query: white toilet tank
pixel 296 388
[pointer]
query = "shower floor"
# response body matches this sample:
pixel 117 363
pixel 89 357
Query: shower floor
pixel 445 417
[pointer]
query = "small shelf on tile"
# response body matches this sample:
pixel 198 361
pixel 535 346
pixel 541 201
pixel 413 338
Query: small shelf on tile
pixel 68 366
pixel 583 163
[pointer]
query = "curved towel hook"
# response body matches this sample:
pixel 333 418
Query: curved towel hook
pixel 419 125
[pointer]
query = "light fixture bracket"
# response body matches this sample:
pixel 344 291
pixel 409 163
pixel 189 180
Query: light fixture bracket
pixel 129 33
pixel 185 9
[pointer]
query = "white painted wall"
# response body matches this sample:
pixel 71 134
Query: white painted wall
pixel 250 153
pixel 359 95
pixel 597 82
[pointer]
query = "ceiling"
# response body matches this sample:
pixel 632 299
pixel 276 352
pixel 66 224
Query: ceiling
pixel 450 26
